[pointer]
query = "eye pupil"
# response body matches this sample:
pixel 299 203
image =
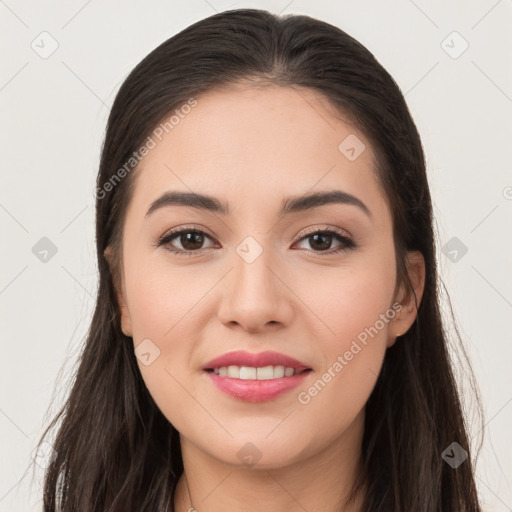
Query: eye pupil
pixel 188 239
pixel 325 245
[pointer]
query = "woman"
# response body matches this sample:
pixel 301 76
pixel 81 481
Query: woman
pixel 267 333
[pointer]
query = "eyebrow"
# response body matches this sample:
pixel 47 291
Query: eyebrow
pixel 290 205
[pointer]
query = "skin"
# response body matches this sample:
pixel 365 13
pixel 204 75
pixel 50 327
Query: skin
pixel 242 145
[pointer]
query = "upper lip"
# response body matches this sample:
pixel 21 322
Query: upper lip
pixel 259 360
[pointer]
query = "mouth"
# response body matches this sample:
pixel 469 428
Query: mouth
pixel 247 389
pixel 255 377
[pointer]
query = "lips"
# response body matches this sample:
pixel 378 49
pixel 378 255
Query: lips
pixel 243 358
pixel 234 381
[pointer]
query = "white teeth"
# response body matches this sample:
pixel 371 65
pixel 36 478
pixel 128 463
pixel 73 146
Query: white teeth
pixel 278 372
pixel 251 373
pixel 265 373
pixel 246 372
pixel 234 372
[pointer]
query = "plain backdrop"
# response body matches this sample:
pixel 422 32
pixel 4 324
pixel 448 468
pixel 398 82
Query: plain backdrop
pixel 62 64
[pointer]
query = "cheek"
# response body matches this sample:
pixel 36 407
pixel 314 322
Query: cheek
pixel 162 311
pixel 162 297
pixel 349 300
pixel 355 307
pixel 166 307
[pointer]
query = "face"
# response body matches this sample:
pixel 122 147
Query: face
pixel 316 283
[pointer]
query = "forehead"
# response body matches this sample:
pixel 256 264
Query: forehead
pixel 245 144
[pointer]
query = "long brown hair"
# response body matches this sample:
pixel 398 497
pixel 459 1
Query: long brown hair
pixel 115 451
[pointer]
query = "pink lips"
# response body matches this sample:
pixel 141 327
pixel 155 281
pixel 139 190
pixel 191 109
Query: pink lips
pixel 243 358
pixel 253 390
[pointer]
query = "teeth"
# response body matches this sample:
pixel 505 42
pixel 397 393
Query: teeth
pixel 233 372
pixel 250 373
pixel 288 372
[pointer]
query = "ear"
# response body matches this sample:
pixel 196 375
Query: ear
pixel 126 320
pixel 409 299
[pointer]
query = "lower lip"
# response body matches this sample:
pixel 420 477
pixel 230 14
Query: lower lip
pixel 252 390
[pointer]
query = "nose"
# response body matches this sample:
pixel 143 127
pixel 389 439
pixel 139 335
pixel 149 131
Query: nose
pixel 256 296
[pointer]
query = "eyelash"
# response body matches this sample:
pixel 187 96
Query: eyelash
pixel 347 242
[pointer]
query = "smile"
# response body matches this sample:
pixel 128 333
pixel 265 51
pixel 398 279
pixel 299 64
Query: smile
pixel 255 377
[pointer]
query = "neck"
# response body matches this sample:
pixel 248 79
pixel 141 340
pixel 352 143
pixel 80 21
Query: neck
pixel 320 483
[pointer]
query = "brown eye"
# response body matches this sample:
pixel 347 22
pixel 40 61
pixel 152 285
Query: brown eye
pixel 322 240
pixel 190 240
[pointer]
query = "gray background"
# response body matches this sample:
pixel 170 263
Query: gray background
pixel 55 107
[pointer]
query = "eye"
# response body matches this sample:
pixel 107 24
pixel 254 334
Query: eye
pixel 190 239
pixel 322 239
